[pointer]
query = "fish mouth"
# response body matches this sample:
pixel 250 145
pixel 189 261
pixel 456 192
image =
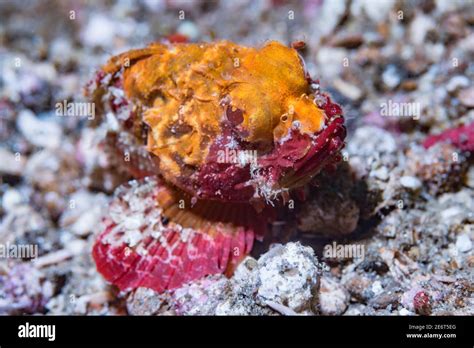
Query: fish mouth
pixel 291 162
pixel 295 162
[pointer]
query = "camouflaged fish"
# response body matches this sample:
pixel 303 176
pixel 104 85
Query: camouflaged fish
pixel 223 133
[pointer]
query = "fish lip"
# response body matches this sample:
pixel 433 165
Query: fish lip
pixel 323 149
pixel 313 165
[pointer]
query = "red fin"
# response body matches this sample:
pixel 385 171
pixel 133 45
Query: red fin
pixel 140 248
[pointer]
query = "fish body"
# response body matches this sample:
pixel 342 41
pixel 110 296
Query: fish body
pixel 227 129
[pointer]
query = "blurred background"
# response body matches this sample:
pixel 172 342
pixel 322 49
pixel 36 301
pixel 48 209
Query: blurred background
pixel 56 180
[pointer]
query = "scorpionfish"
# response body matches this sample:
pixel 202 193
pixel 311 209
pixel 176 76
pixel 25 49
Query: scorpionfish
pixel 219 135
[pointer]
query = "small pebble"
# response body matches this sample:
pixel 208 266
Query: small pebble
pixel 380 173
pixel 466 97
pixel 390 77
pixel 39 132
pixel 377 287
pixel 11 198
pixel 99 31
pixel 348 90
pixel 404 312
pixel 333 298
pixel 419 28
pixel 10 163
pixel 463 243
pixel 456 82
pixel 410 182
pixel 189 29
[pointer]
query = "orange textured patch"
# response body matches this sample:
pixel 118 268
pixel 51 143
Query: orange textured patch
pixel 184 90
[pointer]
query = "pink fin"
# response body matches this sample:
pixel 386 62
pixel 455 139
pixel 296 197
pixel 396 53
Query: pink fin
pixel 138 249
pixel 170 263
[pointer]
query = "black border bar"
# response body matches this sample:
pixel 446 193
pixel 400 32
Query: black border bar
pixel 169 330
